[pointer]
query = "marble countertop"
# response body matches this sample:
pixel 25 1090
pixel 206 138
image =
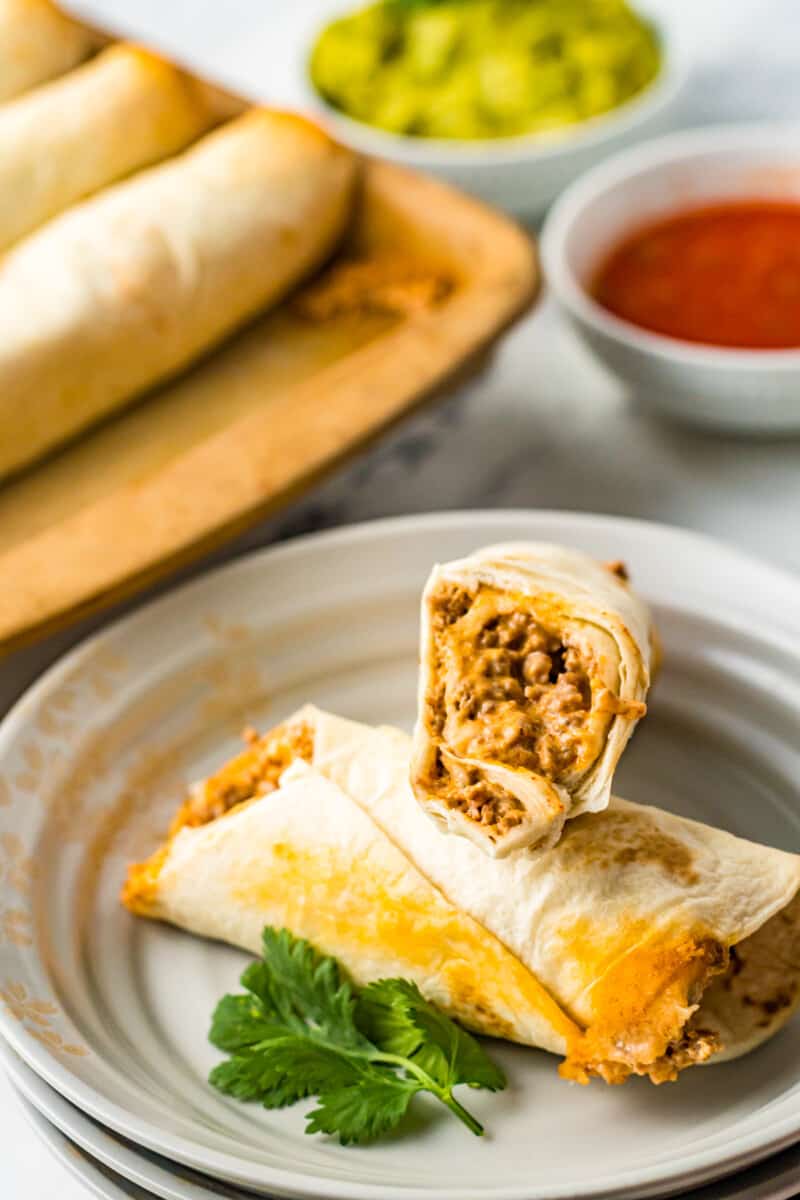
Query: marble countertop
pixel 543 426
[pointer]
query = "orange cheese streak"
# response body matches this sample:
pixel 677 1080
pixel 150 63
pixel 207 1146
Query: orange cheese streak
pixel 640 1008
pixel 357 914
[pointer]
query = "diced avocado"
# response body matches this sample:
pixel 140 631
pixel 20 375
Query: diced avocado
pixel 470 69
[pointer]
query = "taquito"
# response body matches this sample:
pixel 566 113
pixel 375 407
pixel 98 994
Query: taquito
pixel 37 42
pixel 535 663
pixel 131 285
pixel 642 943
pixel 120 112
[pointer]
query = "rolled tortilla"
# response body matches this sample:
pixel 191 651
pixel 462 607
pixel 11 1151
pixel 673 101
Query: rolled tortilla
pixel 287 860
pixel 124 110
pixel 131 285
pixel 642 943
pixel 535 665
pixel 37 42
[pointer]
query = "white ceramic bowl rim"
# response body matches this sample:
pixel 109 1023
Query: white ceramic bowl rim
pixel 637 160
pixel 527 147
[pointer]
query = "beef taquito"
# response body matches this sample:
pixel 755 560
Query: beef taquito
pixel 37 42
pixel 123 110
pixel 641 944
pixel 535 663
pixel 133 284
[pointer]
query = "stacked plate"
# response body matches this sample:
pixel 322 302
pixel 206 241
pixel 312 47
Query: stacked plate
pixel 105 1017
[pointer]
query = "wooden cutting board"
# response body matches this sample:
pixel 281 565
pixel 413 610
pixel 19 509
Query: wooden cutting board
pixel 426 282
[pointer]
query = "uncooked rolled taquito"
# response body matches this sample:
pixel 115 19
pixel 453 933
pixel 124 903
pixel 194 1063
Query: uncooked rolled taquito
pixel 131 285
pixel 120 112
pixel 642 943
pixel 535 662
pixel 37 42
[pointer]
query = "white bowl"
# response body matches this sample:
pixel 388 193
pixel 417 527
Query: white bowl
pixel 520 174
pixel 715 387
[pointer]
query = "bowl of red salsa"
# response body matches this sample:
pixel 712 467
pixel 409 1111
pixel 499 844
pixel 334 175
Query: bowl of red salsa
pixel 679 264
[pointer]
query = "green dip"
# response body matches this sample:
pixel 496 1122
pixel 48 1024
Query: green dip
pixel 483 68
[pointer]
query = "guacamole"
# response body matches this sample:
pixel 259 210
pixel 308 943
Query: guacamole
pixel 483 68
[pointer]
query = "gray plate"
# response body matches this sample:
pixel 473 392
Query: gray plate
pixel 113 1012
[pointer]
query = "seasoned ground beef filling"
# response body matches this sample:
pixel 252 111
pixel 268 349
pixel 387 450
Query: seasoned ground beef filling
pixel 255 772
pixel 509 690
pixel 648 1017
pixel 693 1047
pixel 485 803
pixel 721 993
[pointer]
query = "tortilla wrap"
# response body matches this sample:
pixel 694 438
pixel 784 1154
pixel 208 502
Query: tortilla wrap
pixel 37 42
pixel 131 285
pixel 124 110
pixel 535 665
pixel 642 943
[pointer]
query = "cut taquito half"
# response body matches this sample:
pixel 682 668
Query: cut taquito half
pixel 535 662
pixel 307 858
pixel 133 284
pixel 37 42
pixel 123 110
pixel 642 943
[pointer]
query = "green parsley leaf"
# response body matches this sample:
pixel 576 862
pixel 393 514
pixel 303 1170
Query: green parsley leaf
pixel 285 1070
pixel 364 1111
pixel 303 1030
pixel 397 1017
pixel 240 1022
pixel 383 1015
pixel 303 988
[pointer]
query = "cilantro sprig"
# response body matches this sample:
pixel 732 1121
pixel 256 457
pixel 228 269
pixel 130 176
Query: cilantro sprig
pixel 301 1029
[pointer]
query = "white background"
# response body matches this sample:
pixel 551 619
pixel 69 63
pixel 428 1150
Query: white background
pixel 545 426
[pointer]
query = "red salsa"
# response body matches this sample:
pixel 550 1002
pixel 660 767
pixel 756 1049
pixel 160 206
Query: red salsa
pixel 727 275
